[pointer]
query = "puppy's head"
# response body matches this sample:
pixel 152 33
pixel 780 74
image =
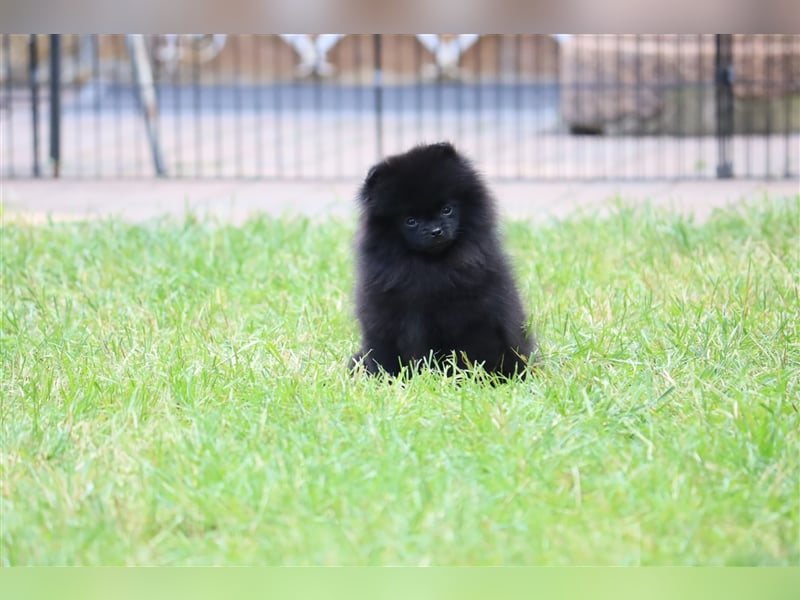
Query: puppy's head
pixel 426 197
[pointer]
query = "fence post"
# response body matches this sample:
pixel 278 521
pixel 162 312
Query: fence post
pixel 378 83
pixel 723 83
pixel 55 103
pixel 33 80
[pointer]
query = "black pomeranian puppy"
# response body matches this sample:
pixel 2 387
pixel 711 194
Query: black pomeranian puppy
pixel 432 280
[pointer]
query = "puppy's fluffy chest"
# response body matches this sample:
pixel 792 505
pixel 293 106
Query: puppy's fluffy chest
pixel 435 327
pixel 421 280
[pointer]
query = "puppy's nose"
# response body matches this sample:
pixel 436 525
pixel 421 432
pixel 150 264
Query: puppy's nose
pixel 436 231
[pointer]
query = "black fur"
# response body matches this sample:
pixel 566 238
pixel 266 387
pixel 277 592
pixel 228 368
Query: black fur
pixel 432 278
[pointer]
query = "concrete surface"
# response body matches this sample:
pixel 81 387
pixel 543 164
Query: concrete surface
pixel 235 200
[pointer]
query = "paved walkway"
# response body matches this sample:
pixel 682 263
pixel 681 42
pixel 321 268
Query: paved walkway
pixel 143 199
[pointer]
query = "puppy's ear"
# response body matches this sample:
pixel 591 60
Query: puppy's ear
pixel 445 148
pixel 374 174
pixel 365 195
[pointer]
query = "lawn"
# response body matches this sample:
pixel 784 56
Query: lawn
pixel 175 393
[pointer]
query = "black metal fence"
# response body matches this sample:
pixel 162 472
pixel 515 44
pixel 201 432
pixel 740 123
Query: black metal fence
pixel 297 106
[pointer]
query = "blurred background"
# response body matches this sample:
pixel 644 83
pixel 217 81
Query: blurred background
pixel 325 107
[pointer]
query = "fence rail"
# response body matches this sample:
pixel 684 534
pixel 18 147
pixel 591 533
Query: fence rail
pixel 297 106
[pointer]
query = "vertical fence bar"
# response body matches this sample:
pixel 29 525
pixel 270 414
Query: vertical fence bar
pixel 277 112
pixel 317 92
pixel 9 103
pixel 498 143
pixel 770 89
pixel 33 79
pixel 577 93
pixel 680 141
pixel 177 110
pixel 518 118
pixel 298 126
pixel 117 86
pixel 660 84
pixel 399 44
pixel 55 103
pixel 459 98
pixel 258 112
pixel 598 142
pixel 539 78
pixel 418 102
pixel 620 89
pixel 96 103
pixel 237 103
pixel 438 88
pixel 750 82
pixel 701 95
pixel 479 86
pixel 339 111
pixel 196 101
pixel 788 95
pixel 640 127
pixel 378 83
pixel 770 96
pixel 723 75
pixel 216 97
pixel 78 106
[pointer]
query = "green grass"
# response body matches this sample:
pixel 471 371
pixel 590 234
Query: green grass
pixel 175 393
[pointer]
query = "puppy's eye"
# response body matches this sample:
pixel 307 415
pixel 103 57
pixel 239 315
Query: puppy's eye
pixel 411 222
pixel 447 210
